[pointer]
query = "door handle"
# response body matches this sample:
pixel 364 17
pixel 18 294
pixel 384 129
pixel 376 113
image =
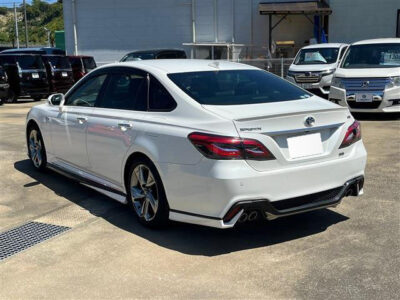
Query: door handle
pixel 125 126
pixel 81 120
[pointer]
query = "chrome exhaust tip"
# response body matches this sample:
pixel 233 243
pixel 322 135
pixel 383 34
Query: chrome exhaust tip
pixel 253 215
pixel 243 218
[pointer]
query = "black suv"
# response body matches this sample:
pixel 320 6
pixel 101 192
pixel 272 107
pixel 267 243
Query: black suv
pixel 4 86
pixel 26 75
pixel 154 54
pixel 59 73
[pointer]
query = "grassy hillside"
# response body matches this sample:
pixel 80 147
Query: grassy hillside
pixel 39 14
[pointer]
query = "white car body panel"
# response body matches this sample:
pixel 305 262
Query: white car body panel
pixel 201 190
pixel 385 95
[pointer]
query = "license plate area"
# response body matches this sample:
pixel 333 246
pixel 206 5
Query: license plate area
pixel 305 145
pixel 364 97
pixel 64 74
pixel 306 85
pixel 35 75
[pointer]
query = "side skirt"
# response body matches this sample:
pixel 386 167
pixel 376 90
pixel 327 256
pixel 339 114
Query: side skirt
pixel 97 186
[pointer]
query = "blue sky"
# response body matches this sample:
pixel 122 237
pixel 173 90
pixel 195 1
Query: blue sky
pixel 9 3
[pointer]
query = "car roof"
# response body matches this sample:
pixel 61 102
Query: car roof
pixel 167 66
pixel 156 51
pixel 79 56
pixel 379 41
pixel 325 45
pixel 19 54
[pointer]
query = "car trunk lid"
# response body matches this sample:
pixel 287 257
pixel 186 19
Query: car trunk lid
pixel 294 131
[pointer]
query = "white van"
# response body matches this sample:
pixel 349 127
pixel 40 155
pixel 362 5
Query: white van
pixel 368 78
pixel 314 65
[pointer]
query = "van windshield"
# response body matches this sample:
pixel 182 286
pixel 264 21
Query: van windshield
pixel 59 62
pixel 317 56
pixel 235 87
pixel 372 56
pixel 29 62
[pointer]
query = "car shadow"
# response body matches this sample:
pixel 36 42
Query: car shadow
pixel 376 116
pixel 186 238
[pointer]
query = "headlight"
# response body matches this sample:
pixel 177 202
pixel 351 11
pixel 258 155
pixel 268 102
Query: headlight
pixel 328 72
pixel 393 81
pixel 337 82
pixel 291 73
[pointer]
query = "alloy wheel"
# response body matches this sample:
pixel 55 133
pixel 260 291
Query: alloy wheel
pixel 35 148
pixel 144 192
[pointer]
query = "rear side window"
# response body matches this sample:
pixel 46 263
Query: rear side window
pixel 159 98
pixel 126 91
pixel 7 60
pixel 236 87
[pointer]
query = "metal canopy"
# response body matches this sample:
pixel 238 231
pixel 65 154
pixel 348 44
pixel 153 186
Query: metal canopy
pixel 316 7
pixel 293 7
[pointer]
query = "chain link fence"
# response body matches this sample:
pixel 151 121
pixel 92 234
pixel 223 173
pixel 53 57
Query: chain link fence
pixel 278 66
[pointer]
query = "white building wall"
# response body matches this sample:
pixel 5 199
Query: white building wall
pixel 362 19
pixel 108 29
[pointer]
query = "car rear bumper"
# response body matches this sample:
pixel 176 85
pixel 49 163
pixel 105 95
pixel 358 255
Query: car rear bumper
pixel 204 193
pixel 388 103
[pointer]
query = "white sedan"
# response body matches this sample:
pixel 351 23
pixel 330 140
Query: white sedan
pixel 199 141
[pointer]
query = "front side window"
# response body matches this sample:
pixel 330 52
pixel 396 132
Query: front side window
pixel 317 56
pixel 87 93
pixel 159 98
pixel 126 91
pixel 30 62
pixel 236 87
pixel 372 56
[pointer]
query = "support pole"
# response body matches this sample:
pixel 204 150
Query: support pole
pixel 74 28
pixel 26 26
pixel 16 26
pixel 270 33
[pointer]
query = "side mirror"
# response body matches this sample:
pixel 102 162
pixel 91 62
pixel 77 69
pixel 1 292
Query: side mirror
pixel 55 99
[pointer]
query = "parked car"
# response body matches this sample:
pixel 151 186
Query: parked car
pixel 41 50
pixel 210 143
pixel 368 78
pixel 4 86
pixel 59 73
pixel 154 54
pixel 26 74
pixel 314 65
pixel 81 65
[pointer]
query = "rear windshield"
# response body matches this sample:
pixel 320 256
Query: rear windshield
pixel 317 56
pixel 30 62
pixel 138 56
pixel 89 63
pixel 75 62
pixel 59 62
pixel 236 87
pixel 372 56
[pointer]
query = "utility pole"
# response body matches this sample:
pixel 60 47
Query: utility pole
pixel 26 26
pixel 16 26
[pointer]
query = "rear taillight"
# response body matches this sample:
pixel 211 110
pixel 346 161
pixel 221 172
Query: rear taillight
pixel 225 147
pixel 353 134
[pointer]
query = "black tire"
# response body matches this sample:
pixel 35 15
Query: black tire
pixel 37 155
pixel 12 97
pixel 160 217
pixel 37 98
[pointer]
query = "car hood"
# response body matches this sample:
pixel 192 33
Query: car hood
pixel 312 68
pixel 375 72
pixel 250 111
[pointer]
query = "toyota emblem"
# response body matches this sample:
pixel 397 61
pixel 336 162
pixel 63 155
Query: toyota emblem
pixel 309 121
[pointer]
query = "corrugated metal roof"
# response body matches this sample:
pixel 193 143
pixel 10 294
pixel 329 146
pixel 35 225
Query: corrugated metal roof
pixel 309 7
